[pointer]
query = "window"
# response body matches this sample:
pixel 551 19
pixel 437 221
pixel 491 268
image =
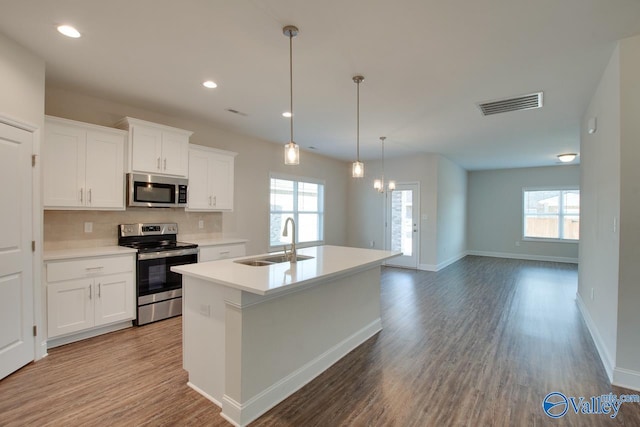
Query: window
pixel 552 214
pixel 301 199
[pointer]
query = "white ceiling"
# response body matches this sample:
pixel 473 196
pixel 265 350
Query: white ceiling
pixel 426 65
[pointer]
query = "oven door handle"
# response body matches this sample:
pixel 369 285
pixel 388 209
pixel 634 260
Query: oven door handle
pixel 167 254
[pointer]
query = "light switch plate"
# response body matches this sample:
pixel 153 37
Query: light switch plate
pixel 88 227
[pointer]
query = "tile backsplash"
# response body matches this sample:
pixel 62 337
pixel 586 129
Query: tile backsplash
pixel 65 229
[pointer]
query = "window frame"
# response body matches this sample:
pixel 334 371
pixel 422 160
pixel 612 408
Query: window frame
pixel 296 212
pixel 561 214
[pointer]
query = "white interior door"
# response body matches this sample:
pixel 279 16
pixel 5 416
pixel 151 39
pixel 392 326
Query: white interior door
pixel 402 232
pixel 17 343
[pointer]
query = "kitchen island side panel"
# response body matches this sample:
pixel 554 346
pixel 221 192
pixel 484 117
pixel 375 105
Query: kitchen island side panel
pixel 276 346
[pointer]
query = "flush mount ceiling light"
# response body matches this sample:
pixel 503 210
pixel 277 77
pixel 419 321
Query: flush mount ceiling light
pixel 287 114
pixel 69 31
pixel 378 184
pixel 357 168
pixel 209 84
pixel 291 150
pixel 566 158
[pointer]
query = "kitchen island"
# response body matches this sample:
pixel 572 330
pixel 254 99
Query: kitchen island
pixel 253 335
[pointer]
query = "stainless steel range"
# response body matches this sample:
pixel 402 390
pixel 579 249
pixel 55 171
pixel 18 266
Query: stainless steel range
pixel 159 290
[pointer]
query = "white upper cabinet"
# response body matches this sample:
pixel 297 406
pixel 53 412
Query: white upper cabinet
pixel 211 179
pixel 83 166
pixel 155 148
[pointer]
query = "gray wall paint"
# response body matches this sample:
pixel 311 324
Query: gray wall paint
pixel 256 159
pixel 452 211
pixel 21 83
pixel 495 210
pixel 628 346
pixel 600 206
pixel 443 194
pixel 366 206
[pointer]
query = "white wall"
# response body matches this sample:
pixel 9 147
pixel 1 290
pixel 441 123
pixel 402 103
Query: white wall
pixel 628 346
pixel 22 99
pixel 600 207
pixel 256 159
pixel 609 267
pixel 452 212
pixel 495 212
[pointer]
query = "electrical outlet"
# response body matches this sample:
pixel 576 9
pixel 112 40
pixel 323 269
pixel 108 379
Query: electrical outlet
pixel 201 224
pixel 517 242
pixel 592 293
pixel 88 227
pixel 205 310
pixel 372 244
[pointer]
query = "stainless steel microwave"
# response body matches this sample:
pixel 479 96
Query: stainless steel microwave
pixel 154 191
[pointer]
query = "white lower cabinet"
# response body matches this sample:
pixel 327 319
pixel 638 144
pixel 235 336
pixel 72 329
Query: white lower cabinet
pixel 213 253
pixel 88 293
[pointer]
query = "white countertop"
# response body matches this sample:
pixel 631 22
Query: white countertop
pixel 59 254
pixel 327 262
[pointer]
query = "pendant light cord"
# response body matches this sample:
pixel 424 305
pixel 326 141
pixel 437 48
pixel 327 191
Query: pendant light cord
pixel 291 82
pixel 358 125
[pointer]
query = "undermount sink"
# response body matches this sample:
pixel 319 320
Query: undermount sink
pixel 270 259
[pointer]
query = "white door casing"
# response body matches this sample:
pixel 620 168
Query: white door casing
pixel 402 232
pixel 17 341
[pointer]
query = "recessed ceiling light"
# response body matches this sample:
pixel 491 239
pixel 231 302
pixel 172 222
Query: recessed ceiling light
pixel 69 31
pixel 566 158
pixel 286 114
pixel 210 84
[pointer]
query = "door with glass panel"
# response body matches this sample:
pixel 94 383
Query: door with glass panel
pixel 402 232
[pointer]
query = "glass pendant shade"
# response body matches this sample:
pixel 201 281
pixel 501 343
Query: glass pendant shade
pixel 357 170
pixel 291 154
pixel 391 186
pixel 377 184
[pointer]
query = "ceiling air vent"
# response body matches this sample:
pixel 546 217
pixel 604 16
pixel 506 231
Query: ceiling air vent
pixel 524 102
pixel 234 111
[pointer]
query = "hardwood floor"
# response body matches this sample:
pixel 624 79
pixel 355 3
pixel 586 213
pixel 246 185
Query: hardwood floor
pixel 478 344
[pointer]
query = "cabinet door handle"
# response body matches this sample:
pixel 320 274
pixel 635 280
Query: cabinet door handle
pixel 99 293
pixel 158 163
pixel 209 200
pixel 81 193
pixel 165 163
pixel 90 291
pixel 89 196
pixel 214 201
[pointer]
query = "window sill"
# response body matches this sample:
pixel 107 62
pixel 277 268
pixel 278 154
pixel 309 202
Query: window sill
pixel 544 240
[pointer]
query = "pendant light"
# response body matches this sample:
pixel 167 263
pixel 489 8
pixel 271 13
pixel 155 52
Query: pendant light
pixel 357 168
pixel 291 149
pixel 378 184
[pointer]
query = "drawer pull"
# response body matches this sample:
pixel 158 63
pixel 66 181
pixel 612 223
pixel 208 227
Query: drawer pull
pixel 225 252
pixel 94 268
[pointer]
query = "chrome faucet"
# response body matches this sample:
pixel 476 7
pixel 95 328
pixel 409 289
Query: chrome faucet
pixel 292 257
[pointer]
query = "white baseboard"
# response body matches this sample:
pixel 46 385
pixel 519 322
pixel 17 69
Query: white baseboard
pixel 427 267
pixel 605 357
pixel 55 342
pixel 203 393
pixel 626 378
pixel 241 414
pixel 528 257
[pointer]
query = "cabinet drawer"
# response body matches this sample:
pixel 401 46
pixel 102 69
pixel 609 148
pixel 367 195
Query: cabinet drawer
pixel 212 253
pixel 88 267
